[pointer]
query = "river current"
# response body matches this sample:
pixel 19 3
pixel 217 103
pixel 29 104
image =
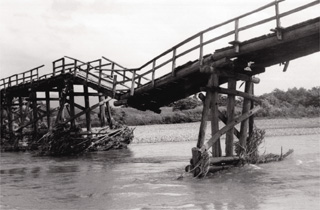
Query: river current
pixel 145 176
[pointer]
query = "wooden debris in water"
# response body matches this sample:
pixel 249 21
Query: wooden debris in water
pixel 201 164
pixel 62 140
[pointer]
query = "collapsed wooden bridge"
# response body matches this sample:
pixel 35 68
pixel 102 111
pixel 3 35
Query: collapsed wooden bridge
pixel 27 98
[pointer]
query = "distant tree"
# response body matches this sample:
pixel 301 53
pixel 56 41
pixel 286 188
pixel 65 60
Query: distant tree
pixel 186 103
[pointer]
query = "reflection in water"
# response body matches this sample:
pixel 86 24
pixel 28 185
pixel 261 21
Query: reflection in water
pixel 145 177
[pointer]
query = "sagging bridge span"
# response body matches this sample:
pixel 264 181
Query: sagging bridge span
pixel 161 81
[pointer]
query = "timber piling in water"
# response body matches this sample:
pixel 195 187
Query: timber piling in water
pixel 29 97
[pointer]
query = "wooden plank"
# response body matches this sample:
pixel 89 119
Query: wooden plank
pixel 244 124
pixel 230 116
pixel 223 130
pixel 216 148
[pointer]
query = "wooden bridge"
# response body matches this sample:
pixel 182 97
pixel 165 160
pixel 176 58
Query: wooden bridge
pixel 27 98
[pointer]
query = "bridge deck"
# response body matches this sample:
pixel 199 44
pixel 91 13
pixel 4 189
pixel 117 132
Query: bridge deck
pixel 298 40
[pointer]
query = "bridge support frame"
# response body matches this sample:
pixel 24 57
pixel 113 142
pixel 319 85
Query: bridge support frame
pixel 210 105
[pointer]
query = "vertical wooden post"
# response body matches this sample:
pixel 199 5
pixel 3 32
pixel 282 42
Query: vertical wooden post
pixel 20 110
pixel 87 106
pixel 251 118
pixel 244 124
pixel 102 110
pixel 61 105
pixel 216 147
pixel 153 72
pixel 48 109
pixel 71 103
pixel 173 62
pixel 205 112
pixel 1 117
pixel 109 115
pixel 201 49
pixel 230 115
pixel 34 111
pixel 21 113
pixel 9 113
pixel 132 83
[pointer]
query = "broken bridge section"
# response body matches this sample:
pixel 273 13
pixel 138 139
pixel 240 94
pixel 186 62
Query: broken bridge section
pixel 27 99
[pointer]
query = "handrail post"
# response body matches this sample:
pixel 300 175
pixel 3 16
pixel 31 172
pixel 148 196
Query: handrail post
pixel 53 68
pixel 236 42
pixel 63 66
pixel 17 79
pixel 114 85
pixel 153 72
pixel 100 73
pixel 37 74
pixel 75 67
pixel 173 61
pixel 132 84
pixel 112 67
pixel 87 71
pixel 278 29
pixel 139 81
pixel 201 49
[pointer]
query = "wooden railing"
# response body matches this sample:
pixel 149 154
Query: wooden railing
pixel 124 79
pixel 22 78
pixel 136 79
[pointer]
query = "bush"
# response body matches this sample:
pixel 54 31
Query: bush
pixel 185 104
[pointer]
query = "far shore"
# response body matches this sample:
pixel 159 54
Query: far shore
pixel 189 131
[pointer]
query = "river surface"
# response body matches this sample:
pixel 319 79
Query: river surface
pixel 145 177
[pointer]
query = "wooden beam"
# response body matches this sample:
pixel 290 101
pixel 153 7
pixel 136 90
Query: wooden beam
pixel 236 93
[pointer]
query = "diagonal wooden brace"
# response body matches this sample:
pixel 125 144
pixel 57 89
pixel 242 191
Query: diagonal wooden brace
pixel 222 131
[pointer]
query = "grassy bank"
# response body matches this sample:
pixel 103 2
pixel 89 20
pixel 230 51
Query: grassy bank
pixel 189 131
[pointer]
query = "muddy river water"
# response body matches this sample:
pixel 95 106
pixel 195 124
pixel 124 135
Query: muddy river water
pixel 145 177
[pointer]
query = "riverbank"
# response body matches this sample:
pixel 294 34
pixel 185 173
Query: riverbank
pixel 189 131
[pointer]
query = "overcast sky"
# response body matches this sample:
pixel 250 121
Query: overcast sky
pixel 131 32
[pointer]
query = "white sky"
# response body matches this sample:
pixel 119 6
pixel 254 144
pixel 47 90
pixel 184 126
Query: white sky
pixel 132 32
